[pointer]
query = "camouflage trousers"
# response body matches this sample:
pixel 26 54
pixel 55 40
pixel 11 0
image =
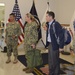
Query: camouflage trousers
pixel 33 57
pixel 12 47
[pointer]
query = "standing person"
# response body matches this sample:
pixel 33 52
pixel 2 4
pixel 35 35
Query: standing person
pixel 53 47
pixel 30 41
pixel 13 30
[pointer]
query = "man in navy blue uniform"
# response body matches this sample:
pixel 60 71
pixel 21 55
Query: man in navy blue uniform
pixel 53 47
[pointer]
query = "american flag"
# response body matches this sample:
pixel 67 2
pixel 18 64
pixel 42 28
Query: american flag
pixel 17 13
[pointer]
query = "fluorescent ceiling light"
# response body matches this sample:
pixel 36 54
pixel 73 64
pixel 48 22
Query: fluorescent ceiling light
pixel 2 4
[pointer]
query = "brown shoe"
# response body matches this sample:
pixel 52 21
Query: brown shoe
pixel 8 61
pixel 30 70
pixel 25 69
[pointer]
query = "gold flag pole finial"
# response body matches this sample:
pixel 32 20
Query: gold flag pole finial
pixel 16 1
pixel 34 1
pixel 48 4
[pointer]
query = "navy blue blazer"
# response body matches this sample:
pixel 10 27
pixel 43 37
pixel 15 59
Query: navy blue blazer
pixel 59 32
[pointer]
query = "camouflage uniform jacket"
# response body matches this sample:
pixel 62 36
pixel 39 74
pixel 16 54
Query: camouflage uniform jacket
pixel 31 34
pixel 13 29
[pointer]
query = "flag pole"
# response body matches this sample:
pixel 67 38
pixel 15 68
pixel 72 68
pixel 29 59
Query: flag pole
pixel 34 1
pixel 16 1
pixel 48 5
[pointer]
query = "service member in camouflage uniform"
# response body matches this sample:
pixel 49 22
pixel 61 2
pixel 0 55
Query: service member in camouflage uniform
pixel 13 30
pixel 30 40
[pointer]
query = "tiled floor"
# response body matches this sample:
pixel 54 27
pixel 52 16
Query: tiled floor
pixel 10 69
pixel 16 69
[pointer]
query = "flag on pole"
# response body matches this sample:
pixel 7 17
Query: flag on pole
pixel 72 27
pixel 43 32
pixel 34 13
pixel 17 13
pixel 72 22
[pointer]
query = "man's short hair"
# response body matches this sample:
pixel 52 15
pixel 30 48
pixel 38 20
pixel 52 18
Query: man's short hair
pixel 51 13
pixel 12 14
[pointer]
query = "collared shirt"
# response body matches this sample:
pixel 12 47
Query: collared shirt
pixel 49 38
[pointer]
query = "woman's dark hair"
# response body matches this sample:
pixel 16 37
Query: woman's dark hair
pixel 51 13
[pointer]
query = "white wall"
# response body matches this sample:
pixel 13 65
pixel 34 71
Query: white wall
pixel 2 13
pixel 25 6
pixel 65 11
